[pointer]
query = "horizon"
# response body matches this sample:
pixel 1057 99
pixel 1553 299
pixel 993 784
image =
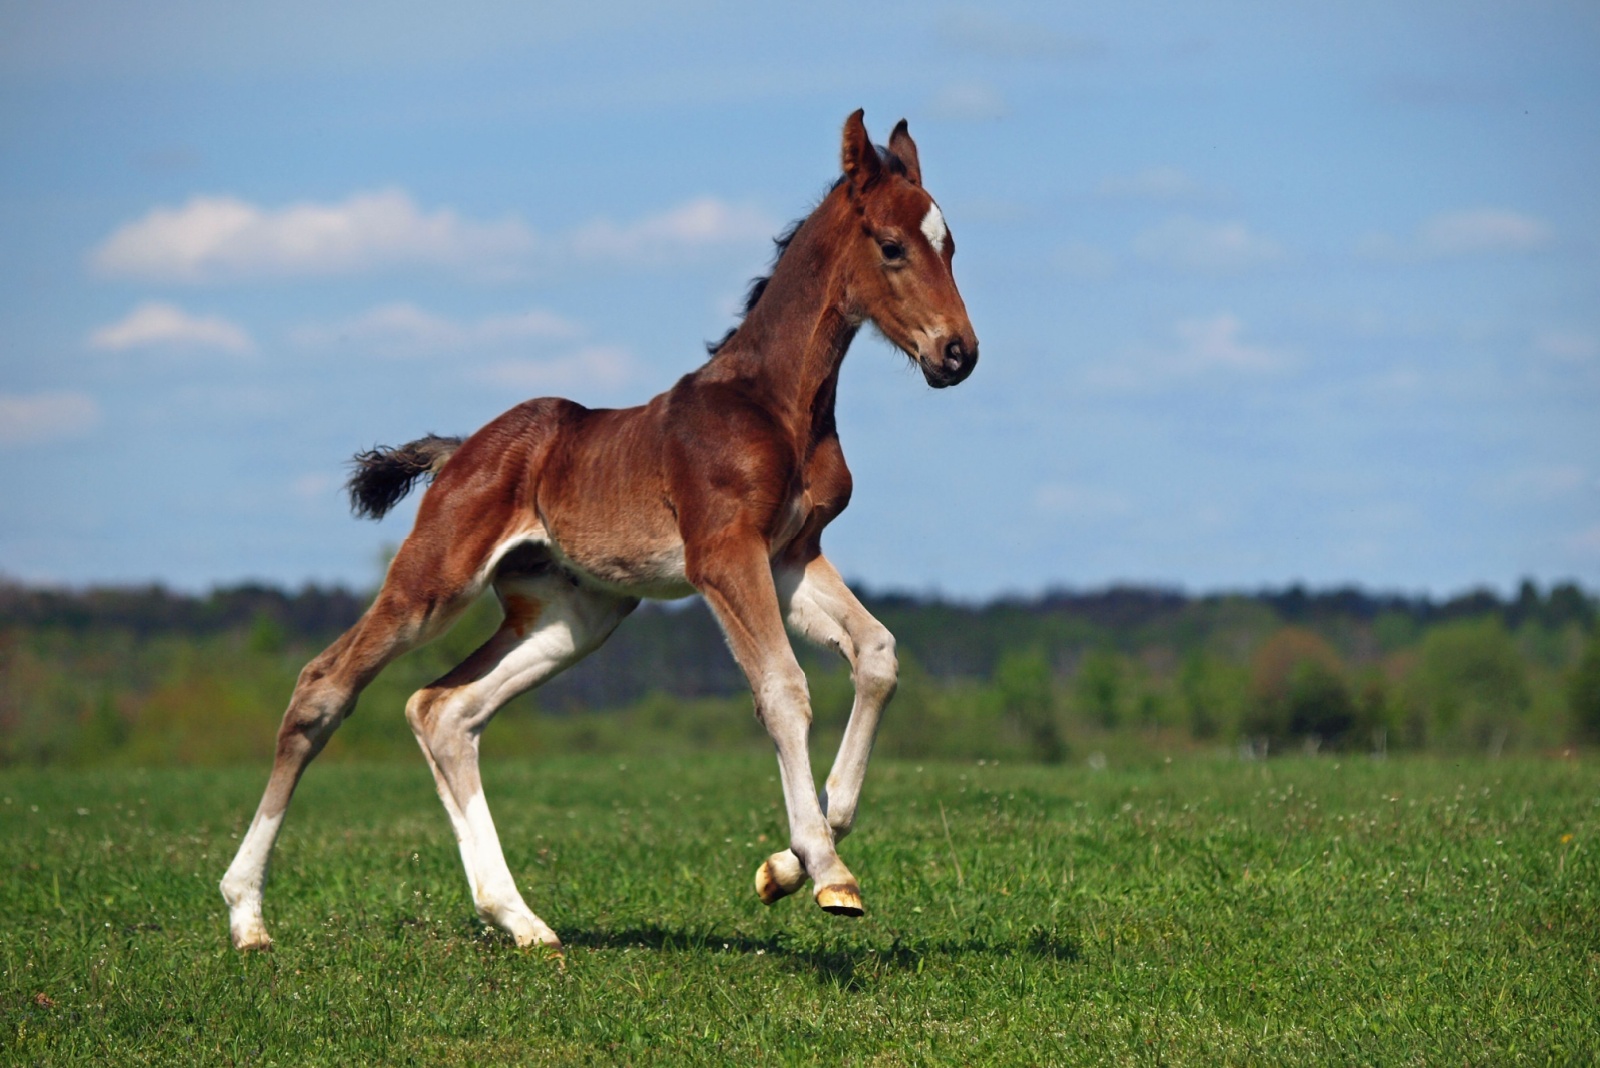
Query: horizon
pixel 872 592
pixel 1265 297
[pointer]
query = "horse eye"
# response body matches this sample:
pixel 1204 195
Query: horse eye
pixel 893 250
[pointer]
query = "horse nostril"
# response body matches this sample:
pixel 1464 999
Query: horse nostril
pixel 955 355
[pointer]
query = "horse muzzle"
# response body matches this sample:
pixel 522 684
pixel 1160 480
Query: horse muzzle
pixel 952 365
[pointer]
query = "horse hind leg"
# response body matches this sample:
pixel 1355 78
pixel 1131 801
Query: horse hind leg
pixel 323 697
pixel 549 625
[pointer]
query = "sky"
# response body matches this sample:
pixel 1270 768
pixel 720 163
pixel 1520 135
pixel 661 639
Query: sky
pixel 1266 293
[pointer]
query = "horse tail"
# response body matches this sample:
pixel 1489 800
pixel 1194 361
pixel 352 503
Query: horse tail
pixel 383 475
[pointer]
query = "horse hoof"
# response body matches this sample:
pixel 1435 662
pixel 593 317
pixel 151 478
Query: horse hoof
pixel 841 899
pixel 257 941
pixel 779 876
pixel 542 938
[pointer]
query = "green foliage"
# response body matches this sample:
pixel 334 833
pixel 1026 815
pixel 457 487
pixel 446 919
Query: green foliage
pixel 1583 692
pixel 267 635
pixel 1098 688
pixel 1394 630
pixel 1012 680
pixel 1319 703
pixel 1203 912
pixel 1298 690
pixel 1026 690
pixel 1470 685
pixel 931 719
pixel 1204 722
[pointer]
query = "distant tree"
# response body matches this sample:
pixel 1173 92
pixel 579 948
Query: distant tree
pixel 1374 710
pixel 267 634
pixel 1297 689
pixel 1196 692
pixel 914 726
pixel 1098 687
pixel 1583 692
pixel 1394 630
pixel 1027 696
pixel 1470 682
pixel 102 730
pixel 1528 605
pixel 1568 603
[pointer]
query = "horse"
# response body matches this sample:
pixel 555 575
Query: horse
pixel 721 486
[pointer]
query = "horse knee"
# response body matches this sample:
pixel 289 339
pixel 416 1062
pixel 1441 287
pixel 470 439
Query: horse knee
pixel 877 668
pixel 780 693
pixel 841 814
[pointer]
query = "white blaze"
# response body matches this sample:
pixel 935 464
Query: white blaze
pixel 933 228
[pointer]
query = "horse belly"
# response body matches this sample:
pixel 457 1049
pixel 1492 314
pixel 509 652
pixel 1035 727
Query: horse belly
pixel 653 569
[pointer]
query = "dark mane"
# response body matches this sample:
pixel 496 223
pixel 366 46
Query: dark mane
pixel 758 284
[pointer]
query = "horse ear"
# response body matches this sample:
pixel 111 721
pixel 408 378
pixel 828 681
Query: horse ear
pixel 860 158
pixel 901 145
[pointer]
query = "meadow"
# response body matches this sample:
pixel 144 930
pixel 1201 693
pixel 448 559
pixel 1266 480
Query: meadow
pixel 1304 910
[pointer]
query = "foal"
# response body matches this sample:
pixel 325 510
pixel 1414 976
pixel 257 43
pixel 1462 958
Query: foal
pixel 721 485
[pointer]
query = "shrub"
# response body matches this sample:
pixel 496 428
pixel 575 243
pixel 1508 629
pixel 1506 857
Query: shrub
pixel 1297 689
pixel 1024 685
pixel 1583 692
pixel 1098 688
pixel 1470 686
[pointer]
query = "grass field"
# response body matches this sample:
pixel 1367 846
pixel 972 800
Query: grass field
pixel 1298 911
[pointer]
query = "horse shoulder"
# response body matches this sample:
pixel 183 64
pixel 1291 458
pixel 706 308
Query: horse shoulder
pixel 729 462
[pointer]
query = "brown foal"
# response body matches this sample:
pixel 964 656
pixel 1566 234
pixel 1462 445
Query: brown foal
pixel 721 485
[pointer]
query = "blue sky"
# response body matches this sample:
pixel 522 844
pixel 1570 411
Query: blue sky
pixel 1266 293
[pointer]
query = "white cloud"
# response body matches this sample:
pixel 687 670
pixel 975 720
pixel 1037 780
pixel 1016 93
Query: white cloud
pixel 996 37
pixel 1080 502
pixel 1188 244
pixel 403 329
pixel 1084 260
pixel 672 235
pixel 1152 183
pixel 1473 232
pixel 155 324
pixel 219 237
pixel 1573 346
pixel 1586 541
pixel 1482 230
pixel 1544 483
pixel 967 102
pixel 1214 344
pixel 30 418
pixel 1201 347
pixel 314 485
pixel 594 366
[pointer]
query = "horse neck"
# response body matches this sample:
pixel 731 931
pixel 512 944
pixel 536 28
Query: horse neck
pixel 792 342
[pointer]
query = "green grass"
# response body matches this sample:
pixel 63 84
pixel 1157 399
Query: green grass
pixel 1327 911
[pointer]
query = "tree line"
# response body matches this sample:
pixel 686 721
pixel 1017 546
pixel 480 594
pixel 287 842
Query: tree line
pixel 150 676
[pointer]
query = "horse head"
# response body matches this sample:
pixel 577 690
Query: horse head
pixel 899 259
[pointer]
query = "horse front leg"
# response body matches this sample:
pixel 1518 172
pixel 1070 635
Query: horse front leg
pixel 736 578
pixel 819 606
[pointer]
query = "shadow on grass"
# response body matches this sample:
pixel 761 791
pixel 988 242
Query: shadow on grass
pixel 844 966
